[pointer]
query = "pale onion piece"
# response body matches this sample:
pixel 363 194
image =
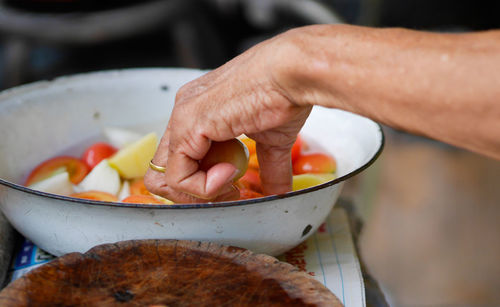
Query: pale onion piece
pixel 102 178
pixel 124 191
pixel 59 183
pixel 121 138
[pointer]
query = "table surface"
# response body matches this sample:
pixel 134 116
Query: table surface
pixel 331 254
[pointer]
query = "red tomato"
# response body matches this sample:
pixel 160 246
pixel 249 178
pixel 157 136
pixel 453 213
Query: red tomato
pixel 251 180
pixel 137 187
pixel 95 195
pixel 249 194
pixel 314 163
pixel 76 169
pixel 142 199
pixel 297 148
pixel 97 152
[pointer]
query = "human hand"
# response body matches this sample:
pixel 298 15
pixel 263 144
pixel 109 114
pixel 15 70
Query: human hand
pixel 243 96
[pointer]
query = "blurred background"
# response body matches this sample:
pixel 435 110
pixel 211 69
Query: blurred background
pixel 43 39
pixel 428 213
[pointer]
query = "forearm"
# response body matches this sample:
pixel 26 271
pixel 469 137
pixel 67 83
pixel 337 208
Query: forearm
pixel 444 86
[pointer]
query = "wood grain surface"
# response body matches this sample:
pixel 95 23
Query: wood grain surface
pixel 166 273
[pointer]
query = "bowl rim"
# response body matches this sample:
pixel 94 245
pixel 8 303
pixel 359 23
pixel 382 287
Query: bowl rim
pixel 233 203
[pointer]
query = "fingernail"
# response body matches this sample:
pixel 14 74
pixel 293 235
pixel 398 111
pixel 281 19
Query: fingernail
pixel 227 189
pixel 235 173
pixel 230 195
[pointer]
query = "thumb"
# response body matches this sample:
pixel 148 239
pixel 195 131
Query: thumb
pixel 275 168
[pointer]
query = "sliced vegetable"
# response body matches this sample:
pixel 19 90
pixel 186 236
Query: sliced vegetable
pixel 162 199
pixel 76 169
pixel 121 138
pixel 251 180
pixel 142 199
pixel 133 161
pixel 138 188
pixel 304 181
pixel 232 151
pixel 297 148
pixel 57 184
pixel 96 195
pixel 250 144
pixel 249 194
pixel 102 178
pixel 97 152
pixel 124 190
pixel 314 163
pixel 253 162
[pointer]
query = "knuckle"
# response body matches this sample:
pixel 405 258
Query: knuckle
pixel 184 92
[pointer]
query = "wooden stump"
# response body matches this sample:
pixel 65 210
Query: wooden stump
pixel 166 273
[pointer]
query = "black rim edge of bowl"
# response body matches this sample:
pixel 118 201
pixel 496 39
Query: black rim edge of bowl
pixel 234 203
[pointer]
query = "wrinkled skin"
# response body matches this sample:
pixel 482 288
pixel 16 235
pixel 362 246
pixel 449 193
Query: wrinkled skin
pixel 234 99
pixel 443 86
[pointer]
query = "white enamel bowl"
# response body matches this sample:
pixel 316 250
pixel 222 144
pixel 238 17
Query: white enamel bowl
pixel 49 118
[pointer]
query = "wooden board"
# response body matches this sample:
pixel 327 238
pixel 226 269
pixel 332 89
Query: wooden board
pixel 166 273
